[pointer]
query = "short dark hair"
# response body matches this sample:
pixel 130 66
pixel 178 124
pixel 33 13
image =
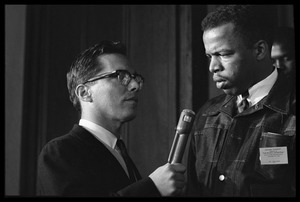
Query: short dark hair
pixel 86 66
pixel 251 22
pixel 285 36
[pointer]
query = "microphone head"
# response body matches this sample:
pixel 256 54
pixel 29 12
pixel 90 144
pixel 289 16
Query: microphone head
pixel 185 122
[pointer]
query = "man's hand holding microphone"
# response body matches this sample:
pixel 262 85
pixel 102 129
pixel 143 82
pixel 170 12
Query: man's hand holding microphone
pixel 169 178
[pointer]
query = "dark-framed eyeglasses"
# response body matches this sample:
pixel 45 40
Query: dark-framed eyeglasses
pixel 124 77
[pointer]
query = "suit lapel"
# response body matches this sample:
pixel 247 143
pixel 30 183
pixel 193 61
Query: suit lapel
pixel 100 151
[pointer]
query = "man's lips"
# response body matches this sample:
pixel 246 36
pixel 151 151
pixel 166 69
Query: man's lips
pixel 135 99
pixel 220 82
pixel 218 79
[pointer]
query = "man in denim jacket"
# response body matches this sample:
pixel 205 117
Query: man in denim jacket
pixel 249 153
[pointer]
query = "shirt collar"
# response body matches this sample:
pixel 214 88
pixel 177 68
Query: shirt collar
pixel 261 89
pixel 99 132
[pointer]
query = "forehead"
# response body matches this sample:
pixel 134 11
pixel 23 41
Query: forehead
pixel 278 50
pixel 113 61
pixel 219 37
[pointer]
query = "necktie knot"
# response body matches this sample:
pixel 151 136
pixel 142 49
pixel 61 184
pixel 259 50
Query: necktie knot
pixel 243 104
pixel 122 147
pixel 245 94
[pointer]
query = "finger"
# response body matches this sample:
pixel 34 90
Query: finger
pixel 177 192
pixel 178 167
pixel 179 177
pixel 179 184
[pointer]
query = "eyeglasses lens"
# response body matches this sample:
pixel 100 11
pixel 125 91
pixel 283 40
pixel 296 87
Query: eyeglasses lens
pixel 125 78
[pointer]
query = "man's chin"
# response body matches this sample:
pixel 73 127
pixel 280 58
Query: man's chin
pixel 229 91
pixel 130 117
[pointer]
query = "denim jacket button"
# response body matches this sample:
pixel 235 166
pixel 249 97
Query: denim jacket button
pixel 221 177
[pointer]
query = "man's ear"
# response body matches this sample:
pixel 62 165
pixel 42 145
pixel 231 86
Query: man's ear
pixel 83 93
pixel 261 49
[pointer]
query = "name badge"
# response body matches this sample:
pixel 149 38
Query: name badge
pixel 273 155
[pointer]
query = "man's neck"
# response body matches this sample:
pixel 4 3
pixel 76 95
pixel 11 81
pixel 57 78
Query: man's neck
pixel 113 126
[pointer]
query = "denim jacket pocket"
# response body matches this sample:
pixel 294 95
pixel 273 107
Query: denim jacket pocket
pixel 207 149
pixel 274 171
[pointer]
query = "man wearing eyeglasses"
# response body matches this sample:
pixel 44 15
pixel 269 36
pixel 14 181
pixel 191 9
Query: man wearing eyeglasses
pixel 91 159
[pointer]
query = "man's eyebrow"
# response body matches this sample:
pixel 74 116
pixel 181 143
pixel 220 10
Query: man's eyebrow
pixel 219 51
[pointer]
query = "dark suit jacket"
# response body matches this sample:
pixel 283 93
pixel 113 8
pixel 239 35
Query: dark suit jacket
pixel 77 164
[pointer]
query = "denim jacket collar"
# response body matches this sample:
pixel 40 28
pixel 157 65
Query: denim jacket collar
pixel 279 96
pixel 277 100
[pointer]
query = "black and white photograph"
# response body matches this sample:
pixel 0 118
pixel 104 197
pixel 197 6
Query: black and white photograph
pixel 150 101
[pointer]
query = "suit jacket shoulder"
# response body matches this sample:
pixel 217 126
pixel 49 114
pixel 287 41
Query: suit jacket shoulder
pixel 77 164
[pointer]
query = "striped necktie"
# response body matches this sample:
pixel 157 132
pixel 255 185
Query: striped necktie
pixel 132 170
pixel 243 104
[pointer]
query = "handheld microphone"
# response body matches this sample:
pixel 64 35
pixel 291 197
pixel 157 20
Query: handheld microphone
pixel 183 129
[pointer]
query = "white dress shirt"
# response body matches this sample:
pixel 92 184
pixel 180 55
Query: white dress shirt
pixel 260 89
pixel 106 137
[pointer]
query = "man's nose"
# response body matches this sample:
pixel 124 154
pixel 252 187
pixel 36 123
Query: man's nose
pixel 215 65
pixel 279 64
pixel 133 85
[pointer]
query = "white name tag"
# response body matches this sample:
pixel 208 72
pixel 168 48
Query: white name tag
pixel 273 155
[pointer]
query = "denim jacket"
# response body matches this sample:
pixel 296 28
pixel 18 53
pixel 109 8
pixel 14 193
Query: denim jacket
pixel 228 150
